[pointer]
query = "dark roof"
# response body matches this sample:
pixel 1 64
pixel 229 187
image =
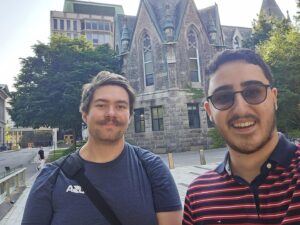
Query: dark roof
pixel 228 32
pixel 211 15
pixel 4 90
pixel 94 8
pixel 157 12
pixel 270 8
pixel 131 21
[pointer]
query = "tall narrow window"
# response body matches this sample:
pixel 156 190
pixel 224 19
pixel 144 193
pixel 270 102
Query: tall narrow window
pixel 157 118
pixel 193 57
pixel 236 42
pixel 74 25
pixel 147 60
pixel 68 25
pixel 139 120
pixel 62 24
pixel 55 24
pixel 193 114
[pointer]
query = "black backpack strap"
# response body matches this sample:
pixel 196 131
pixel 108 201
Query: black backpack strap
pixel 72 167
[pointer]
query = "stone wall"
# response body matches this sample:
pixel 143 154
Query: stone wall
pixel 171 82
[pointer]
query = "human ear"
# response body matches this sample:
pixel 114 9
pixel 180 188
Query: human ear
pixel 275 93
pixel 84 117
pixel 208 111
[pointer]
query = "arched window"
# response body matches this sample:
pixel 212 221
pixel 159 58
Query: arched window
pixel 194 65
pixel 236 42
pixel 147 61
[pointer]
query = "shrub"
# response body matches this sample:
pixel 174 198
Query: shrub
pixel 217 140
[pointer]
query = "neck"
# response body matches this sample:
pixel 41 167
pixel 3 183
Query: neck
pixel 248 166
pixel 101 152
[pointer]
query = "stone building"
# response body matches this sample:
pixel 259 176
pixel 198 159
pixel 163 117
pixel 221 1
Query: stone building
pixel 164 51
pixel 3 95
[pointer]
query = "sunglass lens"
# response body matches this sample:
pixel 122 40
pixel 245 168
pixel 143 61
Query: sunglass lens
pixel 222 100
pixel 254 94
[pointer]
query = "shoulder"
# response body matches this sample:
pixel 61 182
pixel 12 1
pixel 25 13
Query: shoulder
pixel 205 182
pixel 47 175
pixel 144 154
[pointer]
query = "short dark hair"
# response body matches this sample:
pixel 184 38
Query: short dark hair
pixel 247 55
pixel 102 79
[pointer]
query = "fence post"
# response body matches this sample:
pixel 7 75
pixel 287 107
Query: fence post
pixel 171 161
pixel 7 188
pixel 202 157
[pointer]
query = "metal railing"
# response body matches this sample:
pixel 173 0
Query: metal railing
pixel 9 170
pixel 11 182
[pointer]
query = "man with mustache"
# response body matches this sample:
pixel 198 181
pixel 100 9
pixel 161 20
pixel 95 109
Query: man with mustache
pixel 134 182
pixel 258 181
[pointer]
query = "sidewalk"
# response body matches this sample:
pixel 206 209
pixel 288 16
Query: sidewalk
pixel 14 216
pixel 183 177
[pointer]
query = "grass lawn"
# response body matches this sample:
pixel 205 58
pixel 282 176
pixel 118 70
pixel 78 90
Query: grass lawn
pixel 56 154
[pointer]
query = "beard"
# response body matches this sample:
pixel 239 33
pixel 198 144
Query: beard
pixel 111 135
pixel 247 147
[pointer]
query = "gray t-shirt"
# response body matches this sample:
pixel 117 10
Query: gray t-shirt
pixel 134 190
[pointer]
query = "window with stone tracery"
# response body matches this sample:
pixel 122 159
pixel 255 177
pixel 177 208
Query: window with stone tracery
pixel 193 54
pixel 147 61
pixel 236 42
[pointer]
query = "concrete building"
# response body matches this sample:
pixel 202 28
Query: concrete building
pixel 4 92
pixel 96 21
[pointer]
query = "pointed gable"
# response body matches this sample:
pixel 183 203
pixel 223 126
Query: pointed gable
pixel 270 8
pixel 157 11
pixel 4 92
pixel 131 21
pixel 209 16
pixel 229 32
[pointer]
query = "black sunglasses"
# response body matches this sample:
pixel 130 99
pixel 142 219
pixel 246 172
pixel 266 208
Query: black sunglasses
pixel 253 94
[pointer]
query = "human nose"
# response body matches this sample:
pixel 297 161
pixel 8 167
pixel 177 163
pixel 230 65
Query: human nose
pixel 239 102
pixel 111 111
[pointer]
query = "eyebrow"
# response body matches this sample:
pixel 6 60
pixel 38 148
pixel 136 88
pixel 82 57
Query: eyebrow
pixel 243 84
pixel 251 82
pixel 105 101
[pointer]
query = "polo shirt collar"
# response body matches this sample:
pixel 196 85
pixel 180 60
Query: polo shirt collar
pixel 282 155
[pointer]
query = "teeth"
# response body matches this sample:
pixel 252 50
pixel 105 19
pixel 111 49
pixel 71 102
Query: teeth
pixel 242 125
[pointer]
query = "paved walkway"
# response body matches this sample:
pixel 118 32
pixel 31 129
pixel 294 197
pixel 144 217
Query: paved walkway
pixel 183 177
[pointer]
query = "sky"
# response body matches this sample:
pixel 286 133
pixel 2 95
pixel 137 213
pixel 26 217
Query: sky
pixel 25 22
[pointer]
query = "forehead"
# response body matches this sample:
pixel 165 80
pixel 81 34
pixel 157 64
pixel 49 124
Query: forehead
pixel 234 74
pixel 111 93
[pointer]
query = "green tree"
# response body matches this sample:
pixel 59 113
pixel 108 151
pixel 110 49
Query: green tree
pixel 262 30
pixel 49 85
pixel 282 54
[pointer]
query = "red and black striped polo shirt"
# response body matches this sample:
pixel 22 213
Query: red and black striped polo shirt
pixel 272 198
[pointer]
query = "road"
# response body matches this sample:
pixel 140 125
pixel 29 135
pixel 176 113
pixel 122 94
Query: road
pixel 23 157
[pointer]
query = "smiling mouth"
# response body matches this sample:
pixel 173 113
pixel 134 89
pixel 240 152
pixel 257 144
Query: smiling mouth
pixel 243 125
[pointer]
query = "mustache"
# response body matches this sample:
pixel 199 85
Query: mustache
pixel 110 120
pixel 237 117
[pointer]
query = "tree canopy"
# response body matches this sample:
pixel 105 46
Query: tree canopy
pixel 48 88
pixel 262 30
pixel 282 53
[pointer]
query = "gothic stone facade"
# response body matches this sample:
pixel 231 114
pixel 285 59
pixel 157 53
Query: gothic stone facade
pixel 165 50
pixel 164 66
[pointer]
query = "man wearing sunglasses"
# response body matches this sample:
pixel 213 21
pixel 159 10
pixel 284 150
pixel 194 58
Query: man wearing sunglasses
pixel 259 180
